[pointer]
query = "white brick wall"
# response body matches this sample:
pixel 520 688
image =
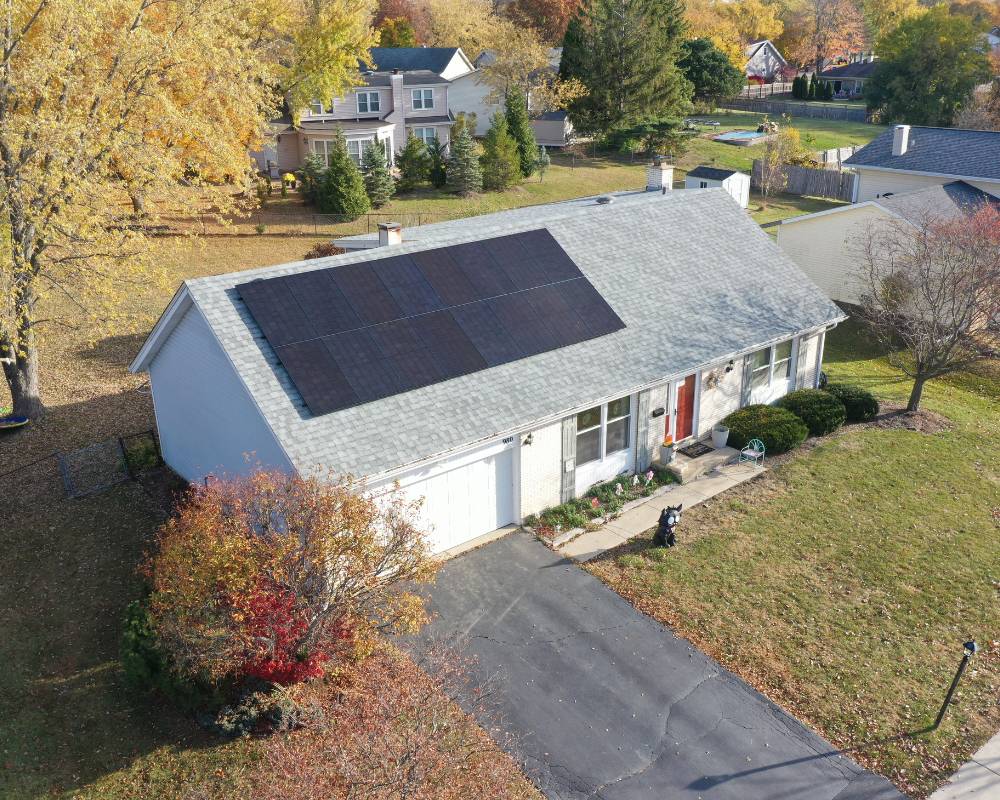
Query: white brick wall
pixel 717 402
pixel 540 465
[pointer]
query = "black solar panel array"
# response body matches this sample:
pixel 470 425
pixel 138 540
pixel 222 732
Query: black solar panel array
pixel 352 334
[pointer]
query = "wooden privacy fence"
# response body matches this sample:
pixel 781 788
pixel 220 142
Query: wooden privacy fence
pixel 813 182
pixel 765 90
pixel 835 157
pixel 843 112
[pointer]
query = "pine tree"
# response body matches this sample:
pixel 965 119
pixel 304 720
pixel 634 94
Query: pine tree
pixel 341 189
pixel 438 163
pixel 812 87
pixel 464 173
pixel 625 53
pixel 500 162
pixel 310 176
pixel 543 162
pixel 413 163
pixel 519 126
pixel 379 185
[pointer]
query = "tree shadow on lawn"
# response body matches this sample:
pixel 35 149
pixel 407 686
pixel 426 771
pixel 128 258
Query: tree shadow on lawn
pixel 66 715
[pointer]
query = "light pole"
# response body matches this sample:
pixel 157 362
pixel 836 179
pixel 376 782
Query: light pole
pixel 971 648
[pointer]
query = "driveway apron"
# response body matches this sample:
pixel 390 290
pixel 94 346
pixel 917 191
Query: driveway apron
pixel 604 702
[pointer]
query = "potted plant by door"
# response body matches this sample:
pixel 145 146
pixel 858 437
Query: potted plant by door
pixel 667 449
pixel 720 435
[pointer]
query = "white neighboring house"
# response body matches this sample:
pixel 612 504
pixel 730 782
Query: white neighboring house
pixel 406 92
pixel 825 244
pixel 764 61
pixel 736 183
pixel 993 38
pixel 495 365
pixel 470 93
pixel 905 158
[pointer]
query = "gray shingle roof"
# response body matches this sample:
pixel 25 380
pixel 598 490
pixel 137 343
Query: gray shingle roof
pixel 859 69
pixel 937 202
pixel 690 273
pixel 712 173
pixel 948 151
pixel 408 59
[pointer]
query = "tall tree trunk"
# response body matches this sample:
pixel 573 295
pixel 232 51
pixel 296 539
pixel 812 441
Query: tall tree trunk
pixel 918 389
pixel 20 368
pixel 138 198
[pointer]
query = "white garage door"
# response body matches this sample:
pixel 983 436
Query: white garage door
pixel 466 497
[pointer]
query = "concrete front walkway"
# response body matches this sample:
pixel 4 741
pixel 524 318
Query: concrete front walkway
pixel 978 779
pixel 639 520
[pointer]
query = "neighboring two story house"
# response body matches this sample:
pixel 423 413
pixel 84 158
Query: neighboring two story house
pixel 764 62
pixel 404 92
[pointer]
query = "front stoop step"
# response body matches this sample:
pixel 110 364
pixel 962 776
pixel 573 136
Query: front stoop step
pixel 688 469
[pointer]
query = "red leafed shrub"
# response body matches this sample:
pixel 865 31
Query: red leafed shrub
pixel 275 630
pixel 324 249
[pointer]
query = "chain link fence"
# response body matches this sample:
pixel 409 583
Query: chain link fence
pixel 81 472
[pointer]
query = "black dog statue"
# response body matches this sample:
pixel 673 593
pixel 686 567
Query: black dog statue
pixel 669 517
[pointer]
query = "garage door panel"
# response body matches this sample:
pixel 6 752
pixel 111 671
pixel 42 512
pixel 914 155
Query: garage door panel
pixel 467 501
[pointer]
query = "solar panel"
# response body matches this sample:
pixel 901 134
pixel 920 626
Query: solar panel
pixel 317 376
pixel 360 332
pixel 322 303
pixel 276 311
pixel 367 294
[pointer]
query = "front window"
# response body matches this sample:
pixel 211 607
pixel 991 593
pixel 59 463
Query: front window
pixel 782 361
pixel 426 135
pixel 423 98
pixel 702 184
pixel 603 430
pixel 617 427
pixel 770 365
pixel 323 148
pixel 368 102
pixel 316 108
pixel 356 148
pixel 588 435
pixel 760 368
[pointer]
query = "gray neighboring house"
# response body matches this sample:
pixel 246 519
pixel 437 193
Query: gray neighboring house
pixel 849 79
pixel 909 157
pixel 825 244
pixel 716 316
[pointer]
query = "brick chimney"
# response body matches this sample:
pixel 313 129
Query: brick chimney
pixel 900 139
pixel 389 233
pixel 659 176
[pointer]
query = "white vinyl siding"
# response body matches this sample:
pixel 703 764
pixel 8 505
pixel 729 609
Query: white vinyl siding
pixel 206 420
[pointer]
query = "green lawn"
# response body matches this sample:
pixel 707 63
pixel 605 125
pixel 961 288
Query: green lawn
pixel 843 583
pixel 817 134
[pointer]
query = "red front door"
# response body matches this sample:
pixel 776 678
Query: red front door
pixel 685 408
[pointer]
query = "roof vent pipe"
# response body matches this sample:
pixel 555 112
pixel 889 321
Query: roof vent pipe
pixel 603 200
pixel 389 233
pixel 900 139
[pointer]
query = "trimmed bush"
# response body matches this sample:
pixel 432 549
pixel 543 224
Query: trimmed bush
pixel 860 404
pixel 820 411
pixel 779 429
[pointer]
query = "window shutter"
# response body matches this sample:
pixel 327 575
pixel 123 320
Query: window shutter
pixel 745 389
pixel 567 467
pixel 643 455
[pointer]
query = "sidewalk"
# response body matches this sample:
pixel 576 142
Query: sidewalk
pixel 640 519
pixel 977 779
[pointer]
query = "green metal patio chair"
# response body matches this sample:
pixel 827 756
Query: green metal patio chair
pixel 753 451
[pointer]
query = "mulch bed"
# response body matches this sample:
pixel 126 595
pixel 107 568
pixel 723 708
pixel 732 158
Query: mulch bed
pixel 894 416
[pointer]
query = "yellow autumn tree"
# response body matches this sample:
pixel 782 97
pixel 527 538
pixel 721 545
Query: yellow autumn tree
pixel 883 16
pixel 143 99
pixel 731 26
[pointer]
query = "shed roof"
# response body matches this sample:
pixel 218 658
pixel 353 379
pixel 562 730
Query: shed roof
pixel 712 173
pixel 731 290
pixel 943 151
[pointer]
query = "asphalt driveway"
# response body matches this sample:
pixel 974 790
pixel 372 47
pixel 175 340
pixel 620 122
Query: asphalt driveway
pixel 607 703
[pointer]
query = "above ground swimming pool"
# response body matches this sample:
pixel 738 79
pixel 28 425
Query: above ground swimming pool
pixel 741 137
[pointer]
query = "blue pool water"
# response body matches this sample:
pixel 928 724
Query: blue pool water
pixel 738 135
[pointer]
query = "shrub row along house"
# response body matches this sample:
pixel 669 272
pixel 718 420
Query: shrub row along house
pixel 409 91
pixel 914 174
pixel 495 365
